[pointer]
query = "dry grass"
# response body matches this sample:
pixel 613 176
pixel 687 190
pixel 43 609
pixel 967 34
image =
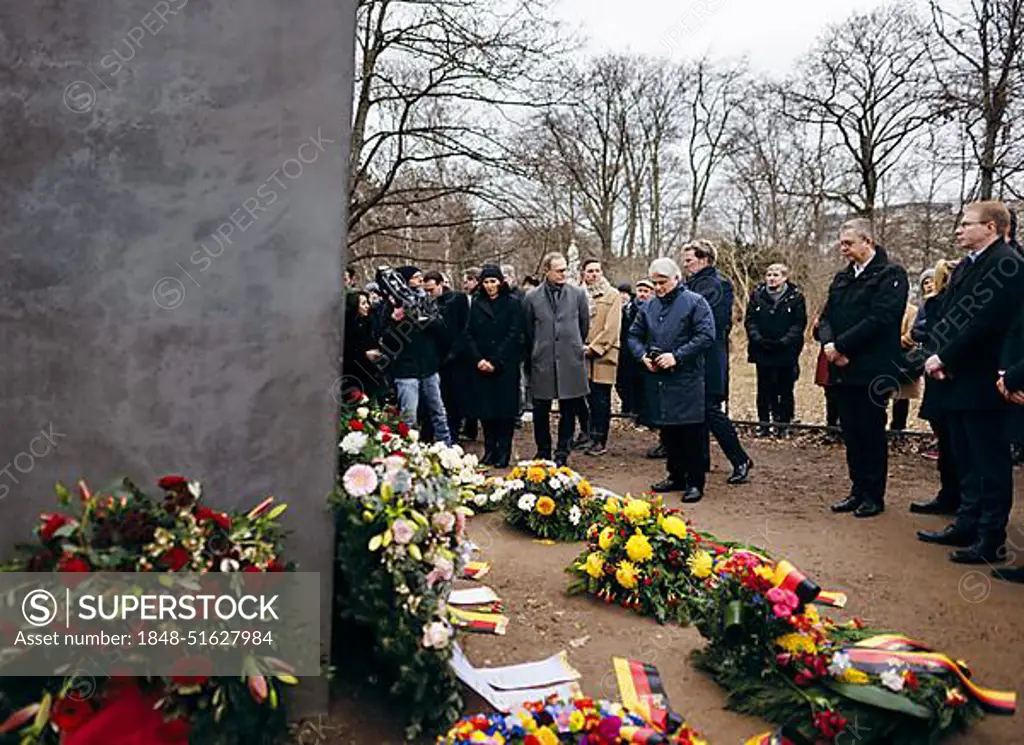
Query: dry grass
pixel 810 399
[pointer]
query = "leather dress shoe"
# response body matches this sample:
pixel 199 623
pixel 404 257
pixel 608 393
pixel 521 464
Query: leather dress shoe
pixel 691 495
pixel 850 504
pixel 934 507
pixel 561 459
pixel 658 451
pixel 741 473
pixel 951 535
pixel 667 485
pixel 982 552
pixel 1014 574
pixel 869 509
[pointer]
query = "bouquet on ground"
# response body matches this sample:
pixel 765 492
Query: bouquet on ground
pixel 401 544
pixel 779 659
pixel 122 529
pixel 555 721
pixel 641 555
pixel 548 501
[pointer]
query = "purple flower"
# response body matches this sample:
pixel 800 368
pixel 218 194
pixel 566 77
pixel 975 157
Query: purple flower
pixel 402 531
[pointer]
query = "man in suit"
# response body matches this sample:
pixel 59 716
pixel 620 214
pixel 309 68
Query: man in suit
pixel 704 279
pixel 976 310
pixel 860 329
pixel 557 324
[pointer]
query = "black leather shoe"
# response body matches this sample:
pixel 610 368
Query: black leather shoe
pixel 869 509
pixel 934 507
pixel 1016 574
pixel 850 504
pixel 762 431
pixel 542 455
pixel 691 495
pixel 658 451
pixel 561 459
pixel 581 443
pixel 982 552
pixel 951 535
pixel 667 485
pixel 741 473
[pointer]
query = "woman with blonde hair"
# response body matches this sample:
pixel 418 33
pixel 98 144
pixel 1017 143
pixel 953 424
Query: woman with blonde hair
pixel 948 499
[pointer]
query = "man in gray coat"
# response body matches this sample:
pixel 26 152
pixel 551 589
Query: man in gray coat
pixel 557 324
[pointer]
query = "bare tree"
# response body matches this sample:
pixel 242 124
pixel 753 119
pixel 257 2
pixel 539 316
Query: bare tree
pixel 979 69
pixel 868 83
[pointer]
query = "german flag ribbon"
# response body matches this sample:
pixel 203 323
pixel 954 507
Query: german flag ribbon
pixel 488 623
pixel 641 690
pixel 476 569
pixel 831 598
pixel 642 736
pixel 878 653
pixel 788 577
pixel 769 738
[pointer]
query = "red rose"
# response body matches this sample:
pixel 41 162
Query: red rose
pixel 385 428
pixel 531 740
pixel 205 514
pixel 175 559
pixel 355 425
pixel 69 714
pixel 191 670
pixel 173 482
pixel 385 437
pixel 52 523
pixel 71 563
pixel 276 566
pixel 403 429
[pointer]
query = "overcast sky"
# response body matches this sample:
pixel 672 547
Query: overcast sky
pixel 772 33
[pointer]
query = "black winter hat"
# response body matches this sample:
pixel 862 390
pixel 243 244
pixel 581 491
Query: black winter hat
pixel 491 271
pixel 408 271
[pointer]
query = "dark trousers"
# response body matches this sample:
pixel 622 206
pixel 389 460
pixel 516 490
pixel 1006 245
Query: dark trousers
pixel 775 401
pixel 684 446
pixel 949 489
pixel 599 404
pixel 862 422
pixel 498 434
pixel 450 394
pixel 981 451
pixel 721 426
pixel 900 414
pixel 831 410
pixel 569 411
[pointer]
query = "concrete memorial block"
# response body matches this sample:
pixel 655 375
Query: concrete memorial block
pixel 171 224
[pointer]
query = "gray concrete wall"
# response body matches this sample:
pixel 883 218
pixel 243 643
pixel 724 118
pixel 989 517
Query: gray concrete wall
pixel 172 190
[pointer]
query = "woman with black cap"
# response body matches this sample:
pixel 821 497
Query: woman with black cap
pixel 494 341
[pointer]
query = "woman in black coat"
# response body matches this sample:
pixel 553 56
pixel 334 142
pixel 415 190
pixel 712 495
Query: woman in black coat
pixel 360 349
pixel 494 341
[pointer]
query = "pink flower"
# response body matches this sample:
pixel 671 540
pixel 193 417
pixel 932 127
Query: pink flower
pixel 784 602
pixel 360 480
pixel 403 531
pixel 460 524
pixel 443 522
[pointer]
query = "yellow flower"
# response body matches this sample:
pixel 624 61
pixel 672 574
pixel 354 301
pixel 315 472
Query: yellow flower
pixel 565 471
pixel 674 526
pixel 637 510
pixel 607 538
pixel 811 614
pixel 796 643
pixel 585 489
pixel 546 736
pixel 626 574
pixel 527 719
pixel 611 505
pixel 595 564
pixel 515 473
pixel 765 573
pixel 700 564
pixel 576 721
pixel 638 548
pixel 545 506
pixel 853 675
pixel 535 474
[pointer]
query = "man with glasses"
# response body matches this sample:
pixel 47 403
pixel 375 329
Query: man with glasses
pixel 557 323
pixel 975 312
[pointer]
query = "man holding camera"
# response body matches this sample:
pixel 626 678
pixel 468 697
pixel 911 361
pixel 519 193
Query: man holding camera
pixel 671 335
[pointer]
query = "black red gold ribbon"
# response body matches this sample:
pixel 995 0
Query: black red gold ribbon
pixel 641 690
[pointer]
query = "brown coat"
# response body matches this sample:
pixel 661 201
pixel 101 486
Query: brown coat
pixel 605 334
pixel 911 390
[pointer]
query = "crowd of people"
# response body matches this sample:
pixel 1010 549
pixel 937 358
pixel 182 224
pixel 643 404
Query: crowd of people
pixel 497 352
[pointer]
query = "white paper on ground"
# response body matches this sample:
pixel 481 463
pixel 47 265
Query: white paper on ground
pixel 553 676
pixel 478 595
pixel 555 669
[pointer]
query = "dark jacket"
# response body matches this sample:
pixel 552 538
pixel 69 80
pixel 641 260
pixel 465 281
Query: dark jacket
pixel 863 317
pixel 628 371
pixel 454 308
pixel 496 332
pixel 680 323
pixel 357 370
pixel 718 292
pixel 978 306
pixel 931 409
pixel 775 330
pixel 411 349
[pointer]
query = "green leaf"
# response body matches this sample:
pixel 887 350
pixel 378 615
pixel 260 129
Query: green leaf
pixel 277 512
pixel 880 698
pixel 414 552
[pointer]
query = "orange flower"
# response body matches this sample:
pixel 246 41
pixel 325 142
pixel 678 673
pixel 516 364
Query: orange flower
pixel 585 489
pixel 545 506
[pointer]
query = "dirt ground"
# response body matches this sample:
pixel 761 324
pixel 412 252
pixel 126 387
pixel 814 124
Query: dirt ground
pixel 894 582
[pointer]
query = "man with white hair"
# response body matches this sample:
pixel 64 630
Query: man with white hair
pixel 671 336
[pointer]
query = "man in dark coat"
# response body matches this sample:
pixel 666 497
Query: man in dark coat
pixel 860 329
pixel 978 306
pixel 671 335
pixel 704 279
pixel 454 307
pixel 775 322
pixel 1011 387
pixel 410 349
pixel 628 374
pixel 557 324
